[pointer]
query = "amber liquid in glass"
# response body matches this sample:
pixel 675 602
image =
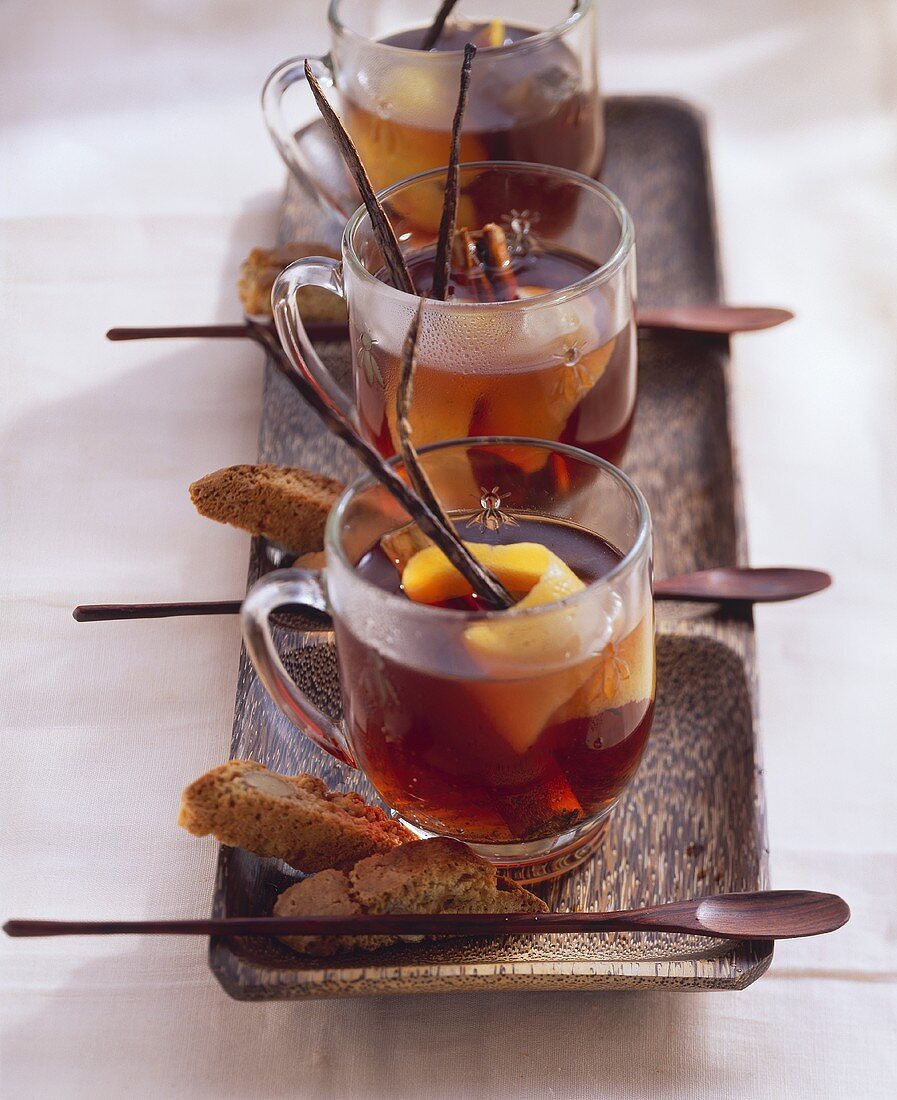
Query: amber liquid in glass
pixel 496 761
pixel 577 385
pixel 533 108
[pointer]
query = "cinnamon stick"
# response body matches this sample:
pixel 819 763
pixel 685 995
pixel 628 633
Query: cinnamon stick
pixel 493 249
pixel 383 231
pixel 443 262
pixel 467 259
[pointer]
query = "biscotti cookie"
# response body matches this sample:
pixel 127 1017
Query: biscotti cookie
pixel 262 266
pixel 425 876
pixel 293 818
pixel 285 504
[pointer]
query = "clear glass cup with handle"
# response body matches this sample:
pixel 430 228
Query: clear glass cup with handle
pixel 533 98
pixel 559 362
pixel 514 731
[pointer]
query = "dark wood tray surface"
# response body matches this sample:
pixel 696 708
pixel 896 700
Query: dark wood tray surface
pixel 693 821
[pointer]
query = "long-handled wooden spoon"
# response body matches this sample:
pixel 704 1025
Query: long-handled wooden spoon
pixel 711 318
pixel 768 584
pixel 765 915
pixel 728 585
pixel 240 331
pixel 108 612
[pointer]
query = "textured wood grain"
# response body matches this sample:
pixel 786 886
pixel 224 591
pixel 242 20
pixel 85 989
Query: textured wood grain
pixel 693 821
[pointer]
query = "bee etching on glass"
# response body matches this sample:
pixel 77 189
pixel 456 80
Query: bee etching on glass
pixel 491 517
pixel 368 359
pixel 616 670
pixel 518 227
pixel 576 379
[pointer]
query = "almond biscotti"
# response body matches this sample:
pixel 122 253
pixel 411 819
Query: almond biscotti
pixel 293 818
pixel 262 266
pixel 285 504
pixel 425 876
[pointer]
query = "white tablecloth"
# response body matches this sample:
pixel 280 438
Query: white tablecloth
pixel 135 175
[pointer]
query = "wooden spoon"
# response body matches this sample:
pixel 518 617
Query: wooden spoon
pixel 773 584
pixel 317 330
pixel 107 612
pixel 742 584
pixel 765 915
pixel 711 318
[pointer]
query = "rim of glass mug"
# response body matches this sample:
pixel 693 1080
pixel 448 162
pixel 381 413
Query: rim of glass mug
pixel 631 558
pixel 602 274
pixel 525 45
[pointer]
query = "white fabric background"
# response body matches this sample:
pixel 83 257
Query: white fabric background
pixel 135 174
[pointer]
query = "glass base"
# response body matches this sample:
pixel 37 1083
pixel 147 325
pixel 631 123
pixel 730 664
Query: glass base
pixel 539 860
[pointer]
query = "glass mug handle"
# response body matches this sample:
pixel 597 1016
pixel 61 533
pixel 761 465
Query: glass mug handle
pixel 283 134
pixel 326 273
pixel 289 586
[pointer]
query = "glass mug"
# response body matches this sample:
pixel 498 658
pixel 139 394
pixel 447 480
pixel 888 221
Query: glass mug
pixel 558 364
pixel 536 99
pixel 514 731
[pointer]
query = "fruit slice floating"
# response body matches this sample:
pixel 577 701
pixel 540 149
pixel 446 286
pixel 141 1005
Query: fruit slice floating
pixel 541 402
pixel 493 34
pixel 512 649
pixel 529 644
pixel 429 576
pixel 622 673
pixel 536 668
pixel 534 641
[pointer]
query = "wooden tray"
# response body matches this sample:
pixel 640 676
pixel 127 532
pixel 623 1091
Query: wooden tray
pixel 693 821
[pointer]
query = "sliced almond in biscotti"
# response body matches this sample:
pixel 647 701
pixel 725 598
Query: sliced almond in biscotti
pixel 425 876
pixel 285 504
pixel 291 817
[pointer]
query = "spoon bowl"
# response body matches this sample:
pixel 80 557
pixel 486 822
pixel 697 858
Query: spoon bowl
pixel 772 914
pixel 771 584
